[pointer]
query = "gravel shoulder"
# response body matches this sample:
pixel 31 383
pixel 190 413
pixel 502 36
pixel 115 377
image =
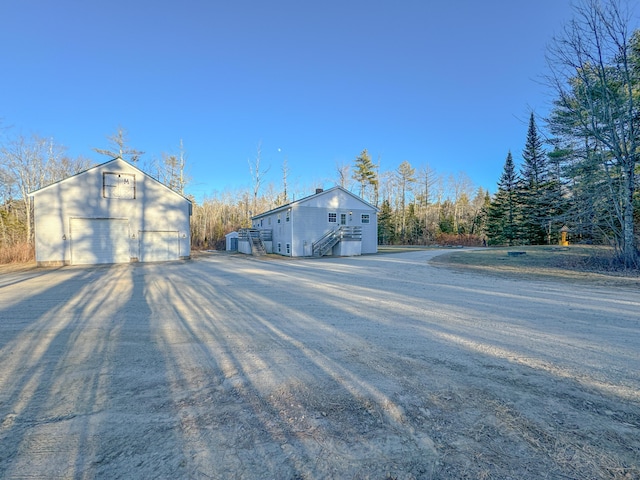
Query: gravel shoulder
pixel 381 366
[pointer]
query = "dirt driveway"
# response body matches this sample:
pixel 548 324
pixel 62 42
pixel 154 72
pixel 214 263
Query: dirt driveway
pixel 370 367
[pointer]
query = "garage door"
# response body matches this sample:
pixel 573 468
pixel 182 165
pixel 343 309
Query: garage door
pixel 99 240
pixel 159 246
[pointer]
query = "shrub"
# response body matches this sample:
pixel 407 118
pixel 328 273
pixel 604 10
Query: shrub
pixel 17 253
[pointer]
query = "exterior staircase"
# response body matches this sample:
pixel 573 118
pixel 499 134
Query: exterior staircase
pixel 256 240
pixel 257 246
pixel 332 237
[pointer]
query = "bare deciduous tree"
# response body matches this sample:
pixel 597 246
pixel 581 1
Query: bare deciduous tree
pixel 343 172
pixel 30 163
pixel 257 177
pixel 118 147
pixel 172 170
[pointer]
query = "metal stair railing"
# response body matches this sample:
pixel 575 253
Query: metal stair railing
pixel 255 240
pixel 257 247
pixel 325 243
pixel 332 237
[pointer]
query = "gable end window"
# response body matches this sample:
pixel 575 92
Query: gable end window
pixel 333 218
pixel 365 218
pixel 118 185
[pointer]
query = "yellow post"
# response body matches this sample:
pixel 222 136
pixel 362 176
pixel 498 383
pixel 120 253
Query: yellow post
pixel 563 236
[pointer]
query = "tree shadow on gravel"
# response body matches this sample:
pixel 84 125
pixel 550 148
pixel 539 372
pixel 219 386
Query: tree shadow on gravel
pixel 52 355
pixel 359 368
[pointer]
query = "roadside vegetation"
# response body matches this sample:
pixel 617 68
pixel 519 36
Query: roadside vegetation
pixel 574 263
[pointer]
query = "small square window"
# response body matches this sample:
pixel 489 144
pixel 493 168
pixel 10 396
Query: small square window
pixel 365 218
pixel 333 218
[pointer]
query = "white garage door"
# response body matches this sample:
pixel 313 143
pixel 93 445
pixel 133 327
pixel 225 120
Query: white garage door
pixel 159 246
pixel 99 240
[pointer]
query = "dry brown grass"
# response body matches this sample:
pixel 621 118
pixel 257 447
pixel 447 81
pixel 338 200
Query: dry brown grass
pixel 583 263
pixel 21 253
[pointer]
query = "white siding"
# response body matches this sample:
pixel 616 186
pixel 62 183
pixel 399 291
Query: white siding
pixel 159 246
pixel 309 221
pixel 152 208
pixel 99 240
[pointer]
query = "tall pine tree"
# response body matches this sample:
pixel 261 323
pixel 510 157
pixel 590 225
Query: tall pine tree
pixel 365 172
pixel 535 194
pixel 503 216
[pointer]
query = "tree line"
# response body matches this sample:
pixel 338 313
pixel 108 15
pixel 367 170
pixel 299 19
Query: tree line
pixel 587 181
pixel 416 205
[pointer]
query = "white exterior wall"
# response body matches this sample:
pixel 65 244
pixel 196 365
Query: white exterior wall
pixel 348 248
pixel 244 246
pixel 154 208
pixel 280 231
pixel 314 215
pixel 309 221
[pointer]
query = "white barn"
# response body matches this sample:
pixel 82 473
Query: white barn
pixel 111 213
pixel 330 222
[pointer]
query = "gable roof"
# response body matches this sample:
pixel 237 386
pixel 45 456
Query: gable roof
pixel 315 195
pixel 113 160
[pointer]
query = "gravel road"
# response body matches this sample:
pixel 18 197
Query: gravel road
pixel 379 367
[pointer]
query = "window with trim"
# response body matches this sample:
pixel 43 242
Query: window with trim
pixel 288 217
pixel 333 218
pixel 365 218
pixel 278 218
pixel 288 248
pixel 279 248
pixel 118 185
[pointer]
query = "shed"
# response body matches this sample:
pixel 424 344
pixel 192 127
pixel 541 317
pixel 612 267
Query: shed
pixel 231 241
pixel 111 213
pixel 329 222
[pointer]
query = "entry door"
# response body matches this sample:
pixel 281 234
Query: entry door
pixel 343 219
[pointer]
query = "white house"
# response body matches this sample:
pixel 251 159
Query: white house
pixel 330 222
pixel 111 213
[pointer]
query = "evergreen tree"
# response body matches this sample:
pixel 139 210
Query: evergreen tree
pixel 556 199
pixel 446 221
pixel 534 193
pixel 405 178
pixel 480 222
pixel 386 231
pixel 503 216
pixel 365 172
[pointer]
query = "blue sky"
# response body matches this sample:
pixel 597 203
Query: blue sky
pixel 447 83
